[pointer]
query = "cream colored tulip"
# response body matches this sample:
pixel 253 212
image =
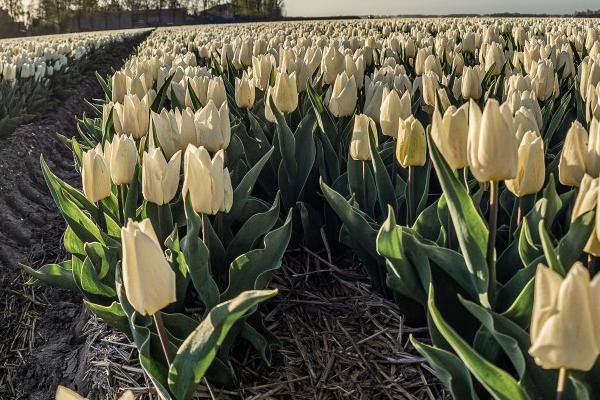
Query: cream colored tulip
pixel 343 96
pixel 332 64
pixel 592 163
pixel 213 127
pixel 121 157
pixel 393 109
pixel 63 393
pixel 165 127
pixel 411 145
pixel 185 127
pixel 374 94
pixel 244 92
pixel 132 117
pixel 430 87
pixel 119 87
pixel 450 134
pixel 159 179
pixel 531 169
pixel 542 79
pixel 199 84
pixel 262 67
pixel 565 321
pixel 360 144
pixel 492 147
pixel 204 180
pixel 494 57
pixel 285 92
pixel 148 278
pixel 587 200
pixel 216 91
pixel 572 164
pixel 525 122
pixel 95 175
pixel 471 84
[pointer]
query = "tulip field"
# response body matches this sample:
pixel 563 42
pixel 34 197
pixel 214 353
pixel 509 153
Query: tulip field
pixel 359 209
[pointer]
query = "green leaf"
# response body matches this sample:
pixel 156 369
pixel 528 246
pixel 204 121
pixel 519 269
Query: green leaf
pixel 385 189
pixel 250 271
pixel 58 275
pixel 551 256
pixel 113 315
pixel 200 348
pixel 450 370
pixel 471 230
pixel 498 382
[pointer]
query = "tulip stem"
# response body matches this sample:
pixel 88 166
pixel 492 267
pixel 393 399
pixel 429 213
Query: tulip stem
pixel 365 179
pixel 493 223
pixel 101 217
pixel 121 203
pixel 162 335
pixel 561 384
pixel 411 195
pixel 519 210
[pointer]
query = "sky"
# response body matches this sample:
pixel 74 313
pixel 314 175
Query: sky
pixel 313 8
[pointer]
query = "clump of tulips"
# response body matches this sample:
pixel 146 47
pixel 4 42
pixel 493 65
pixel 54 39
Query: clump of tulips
pixel 458 159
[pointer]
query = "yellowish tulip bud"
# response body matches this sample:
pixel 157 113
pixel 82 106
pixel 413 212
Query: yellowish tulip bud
pixel 492 147
pixel 285 92
pixel 186 128
pixel 165 126
pixel 121 157
pixel 360 144
pixel 132 117
pixel 571 166
pixel 95 175
pixel 531 169
pixel 411 145
pixel 213 128
pixel 148 278
pixel 63 393
pixel 159 179
pixel 565 320
pixel 216 91
pixel 343 96
pixel 430 87
pixel 244 92
pixel 119 87
pixel 450 134
pixel 471 84
pixel 262 66
pixel 205 181
pixel 332 64
pixel 587 200
pixel 592 162
pixel 393 109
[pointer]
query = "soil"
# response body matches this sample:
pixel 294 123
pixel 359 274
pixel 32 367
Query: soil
pixel 41 340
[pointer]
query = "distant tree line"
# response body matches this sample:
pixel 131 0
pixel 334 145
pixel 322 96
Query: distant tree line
pixel 54 12
pixel 588 13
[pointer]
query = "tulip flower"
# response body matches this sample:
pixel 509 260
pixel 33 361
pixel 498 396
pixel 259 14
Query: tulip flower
pixel 542 79
pixel 132 117
pixel 565 322
pixel 64 393
pixel 285 92
pixel 261 70
pixel 95 175
pixel 121 157
pixel 199 84
pixel 471 84
pixel 592 162
pixel 374 94
pixel 359 144
pixel 185 127
pixel 525 121
pixel 216 91
pixel 213 128
pixel 587 200
pixel 165 127
pixel 450 134
pixel 430 86
pixel 344 96
pixel 411 147
pixel 531 168
pixel 159 179
pixel 244 92
pixel 332 64
pixel 394 109
pixel 205 181
pixel 119 87
pixel 572 164
pixel 494 58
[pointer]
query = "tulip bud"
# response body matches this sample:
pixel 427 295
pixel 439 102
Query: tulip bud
pixel 186 128
pixel 430 87
pixel 106 113
pixel 119 87
pixel 333 64
pixel 531 169
pixel 95 175
pixel 587 199
pixel 216 91
pixel 244 92
pixel 564 322
pixel 411 146
pixel 199 84
pixel 542 79
pixel 360 144
pixel 432 63
pixel 165 126
pixel 494 58
pixel 204 179
pixel 121 158
pixel 393 109
pixel 213 127
pixel 374 94
pixel 261 70
pixel 159 179
pixel 471 84
pixel 285 92
pixel 344 96
pixel 492 146
pixel 592 162
pixel 132 117
pixel 524 122
pixel 571 166
pixel 450 134
pixel 63 393
pixel 148 278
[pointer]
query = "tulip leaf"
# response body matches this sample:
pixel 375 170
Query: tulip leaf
pixel 72 243
pixel 87 279
pixel 450 370
pixel 427 224
pixel 252 230
pixel 329 165
pixel 251 271
pixel 196 103
pixel 471 231
pixel 385 190
pixel 571 246
pixel 103 259
pixel 306 152
pixel 520 310
pixel 159 101
pixel 197 352
pixel 243 190
pixel 177 261
pixel 197 258
pixel 498 382
pixel 551 256
pixel 324 118
pixel 112 315
pixel 556 121
pixel 527 249
pixel 59 275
